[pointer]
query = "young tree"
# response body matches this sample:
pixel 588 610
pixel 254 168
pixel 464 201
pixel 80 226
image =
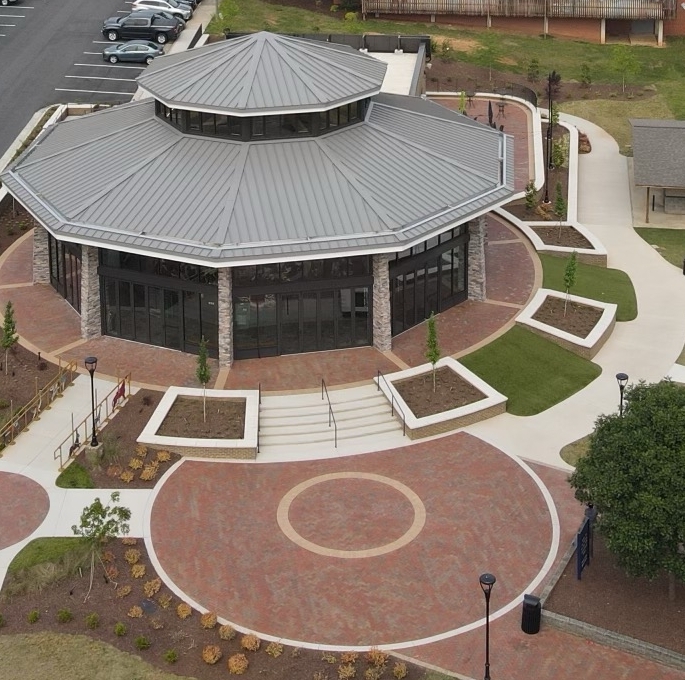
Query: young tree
pixel 9 332
pixel 203 375
pixel 570 276
pixel 432 347
pixel 633 473
pixel 625 63
pixel 99 523
pixel 462 102
pixel 531 197
pixel 585 75
pixel 533 70
pixel 559 201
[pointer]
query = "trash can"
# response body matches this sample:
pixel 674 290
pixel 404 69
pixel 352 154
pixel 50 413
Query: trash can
pixel 531 615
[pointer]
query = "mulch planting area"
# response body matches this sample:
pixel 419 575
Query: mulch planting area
pixel 451 391
pixel 579 319
pixel 25 374
pixel 147 609
pixel 565 236
pixel 608 598
pixel 225 419
pixel 121 454
pixel 14 223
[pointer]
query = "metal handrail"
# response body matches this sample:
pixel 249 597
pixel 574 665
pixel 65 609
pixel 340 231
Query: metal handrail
pixel 259 388
pixel 21 419
pixel 331 415
pixel 393 402
pixel 74 442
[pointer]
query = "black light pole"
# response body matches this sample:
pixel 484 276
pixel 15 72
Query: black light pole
pixel 91 365
pixel 548 139
pixel 486 583
pixel 622 380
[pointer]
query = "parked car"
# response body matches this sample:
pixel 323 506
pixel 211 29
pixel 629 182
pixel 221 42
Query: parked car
pixel 140 51
pixel 4 3
pixel 169 6
pixel 142 26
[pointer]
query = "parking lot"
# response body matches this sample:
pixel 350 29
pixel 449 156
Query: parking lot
pixel 13 16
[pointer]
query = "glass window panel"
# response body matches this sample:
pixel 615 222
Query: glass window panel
pixel 172 319
pixel 432 242
pixel 245 325
pixel 313 269
pixel 329 312
pixel 345 321
pixel 222 128
pixel 323 120
pixel 304 123
pixel 208 124
pixel 360 317
pixel 126 310
pixel 244 276
pixel 397 305
pixel 209 318
pixel 167 268
pixel 291 271
pixel 409 311
pixel 267 273
pixel 432 286
pixel 267 325
pixel 191 320
pixel 359 266
pixel 288 125
pixel 333 118
pixel 258 126
pixel 111 308
pixel 354 111
pixel 235 126
pixel 188 272
pixel 420 294
pixel 109 258
pixel 209 276
pixel 140 313
pixel 343 115
pixel 130 262
pixel 290 323
pixel 308 311
pixel 272 126
pixel 194 121
pixel 156 316
pixel 446 276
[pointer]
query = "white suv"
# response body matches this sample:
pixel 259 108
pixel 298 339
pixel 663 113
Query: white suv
pixel 170 6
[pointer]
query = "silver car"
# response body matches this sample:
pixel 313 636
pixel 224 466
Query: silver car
pixel 169 6
pixel 139 51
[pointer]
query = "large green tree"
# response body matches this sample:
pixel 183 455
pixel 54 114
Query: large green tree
pixel 634 475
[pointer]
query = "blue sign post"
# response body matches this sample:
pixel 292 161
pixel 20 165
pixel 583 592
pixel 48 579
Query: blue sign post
pixel 583 547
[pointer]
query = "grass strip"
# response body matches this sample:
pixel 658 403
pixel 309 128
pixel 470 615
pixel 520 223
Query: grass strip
pixel 670 243
pixel 533 373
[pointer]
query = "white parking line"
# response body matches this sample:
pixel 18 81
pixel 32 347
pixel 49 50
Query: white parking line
pixel 14 16
pixel 107 42
pixel 139 68
pixel 97 53
pixel 62 89
pixel 121 80
pixel 8 25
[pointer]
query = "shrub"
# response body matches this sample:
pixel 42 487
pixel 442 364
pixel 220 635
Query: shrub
pixel 64 616
pixel 208 620
pixel 349 657
pixel 93 621
pixel 141 450
pixel 135 612
pixel 147 400
pixel 138 570
pixel 148 473
pixel 135 463
pixel 531 197
pixel 33 616
pixel 111 572
pixel 142 643
pixel 346 671
pixel 151 588
pixel 120 629
pixel 163 456
pixel 399 670
pixel 237 664
pixel 585 75
pixel 171 656
pixel 373 673
pixel 107 556
pixel 376 657
pixel 132 556
pixel 211 654
pixel 350 16
pixel 226 632
pixel 164 600
pixel 274 649
pixel 250 642
pixel 156 624
pixel 123 591
pixel 328 657
pixel 320 675
pixel 558 153
pixel 127 476
pixel 533 70
pixel 127 540
pixel 296 653
pixel 183 610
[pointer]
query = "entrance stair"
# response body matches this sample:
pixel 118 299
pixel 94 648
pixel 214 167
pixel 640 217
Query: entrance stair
pixel 297 425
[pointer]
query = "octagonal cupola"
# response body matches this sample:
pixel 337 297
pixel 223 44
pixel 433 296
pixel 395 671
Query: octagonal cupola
pixel 264 74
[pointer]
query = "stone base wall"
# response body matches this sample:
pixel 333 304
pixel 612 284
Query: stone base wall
pixel 91 326
pixel 382 330
pixel 225 293
pixel 477 283
pixel 41 256
pixel 246 453
pixel 456 423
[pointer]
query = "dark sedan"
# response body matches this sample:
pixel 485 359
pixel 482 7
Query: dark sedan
pixel 140 51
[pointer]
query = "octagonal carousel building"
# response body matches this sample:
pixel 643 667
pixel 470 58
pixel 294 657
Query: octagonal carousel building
pixel 267 197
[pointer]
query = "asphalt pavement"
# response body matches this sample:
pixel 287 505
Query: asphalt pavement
pixel 44 41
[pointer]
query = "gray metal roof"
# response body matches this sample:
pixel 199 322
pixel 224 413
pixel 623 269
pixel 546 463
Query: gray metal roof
pixel 399 176
pixel 263 72
pixel 657 152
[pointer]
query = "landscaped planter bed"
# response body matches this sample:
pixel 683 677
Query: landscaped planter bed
pixel 565 236
pixel 178 426
pixel 463 399
pixel 544 316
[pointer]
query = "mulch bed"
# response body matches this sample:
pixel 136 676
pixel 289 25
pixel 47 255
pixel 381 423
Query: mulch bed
pixel 451 391
pixel 24 372
pixel 565 236
pixel 225 418
pixel 119 446
pixel 579 319
pixel 606 597
pixel 161 625
pixel 14 223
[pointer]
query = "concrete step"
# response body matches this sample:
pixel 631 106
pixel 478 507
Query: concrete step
pixel 307 436
pixel 312 417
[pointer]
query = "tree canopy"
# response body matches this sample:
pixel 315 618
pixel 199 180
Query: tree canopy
pixel 634 475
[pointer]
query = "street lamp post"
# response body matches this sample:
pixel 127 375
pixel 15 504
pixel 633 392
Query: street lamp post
pixel 548 139
pixel 622 380
pixel 486 583
pixel 91 365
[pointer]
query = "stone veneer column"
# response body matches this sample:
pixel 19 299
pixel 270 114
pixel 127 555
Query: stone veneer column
pixel 382 331
pixel 41 255
pixel 225 317
pixel 478 234
pixel 91 326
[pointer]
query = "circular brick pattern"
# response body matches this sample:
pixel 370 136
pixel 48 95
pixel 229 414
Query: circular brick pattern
pixel 215 534
pixel 341 517
pixel 24 506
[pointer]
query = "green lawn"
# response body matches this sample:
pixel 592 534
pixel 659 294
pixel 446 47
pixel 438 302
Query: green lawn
pixel 75 477
pixel 530 371
pixel 670 243
pixel 598 283
pixel 42 550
